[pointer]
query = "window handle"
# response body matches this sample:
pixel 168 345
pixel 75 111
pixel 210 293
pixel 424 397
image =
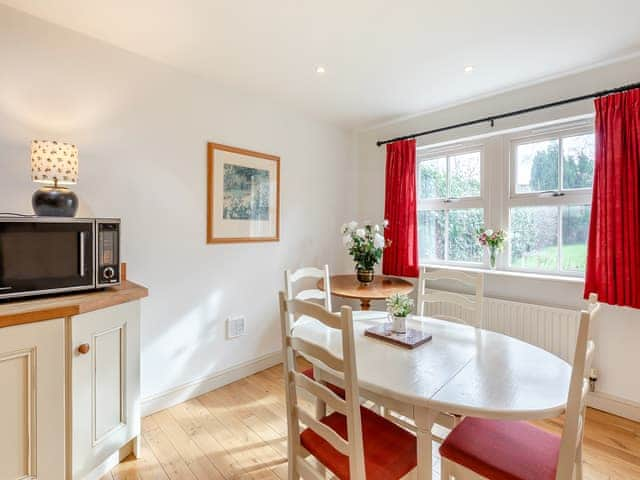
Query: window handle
pixel 450 200
pixel 551 193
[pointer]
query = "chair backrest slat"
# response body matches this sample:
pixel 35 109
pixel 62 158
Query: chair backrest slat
pixel 316 352
pixel 335 440
pixel 321 392
pixel 346 366
pixel 573 431
pixel 291 278
pixel 469 303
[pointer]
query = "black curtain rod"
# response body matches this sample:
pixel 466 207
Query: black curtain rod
pixel 493 118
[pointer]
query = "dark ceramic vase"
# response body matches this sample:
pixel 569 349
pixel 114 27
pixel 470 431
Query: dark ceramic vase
pixel 364 276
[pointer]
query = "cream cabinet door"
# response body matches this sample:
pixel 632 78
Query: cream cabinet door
pixel 105 384
pixel 32 411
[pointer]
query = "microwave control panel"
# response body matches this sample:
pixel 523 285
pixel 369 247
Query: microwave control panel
pixel 108 253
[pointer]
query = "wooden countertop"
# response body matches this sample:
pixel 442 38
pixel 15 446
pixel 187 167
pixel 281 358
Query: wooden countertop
pixel 38 309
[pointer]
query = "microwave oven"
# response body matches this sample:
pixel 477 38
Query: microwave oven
pixel 44 255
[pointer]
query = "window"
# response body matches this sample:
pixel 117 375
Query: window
pixel 549 206
pixel 535 183
pixel 450 205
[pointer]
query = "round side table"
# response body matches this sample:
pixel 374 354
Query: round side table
pixel 382 287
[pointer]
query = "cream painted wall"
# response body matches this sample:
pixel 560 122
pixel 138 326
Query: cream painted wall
pixel 142 129
pixel 617 336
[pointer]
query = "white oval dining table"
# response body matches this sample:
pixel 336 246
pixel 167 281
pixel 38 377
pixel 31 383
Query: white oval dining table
pixel 462 370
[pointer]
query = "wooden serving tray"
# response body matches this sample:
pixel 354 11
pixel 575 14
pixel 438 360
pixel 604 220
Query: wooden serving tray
pixel 412 339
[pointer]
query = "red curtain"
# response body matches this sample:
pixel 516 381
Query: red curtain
pixel 401 257
pixel 613 260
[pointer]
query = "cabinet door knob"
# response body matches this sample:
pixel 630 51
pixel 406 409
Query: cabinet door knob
pixel 84 348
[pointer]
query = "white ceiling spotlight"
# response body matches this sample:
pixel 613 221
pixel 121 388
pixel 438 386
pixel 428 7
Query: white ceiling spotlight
pixel 468 69
pixel 320 70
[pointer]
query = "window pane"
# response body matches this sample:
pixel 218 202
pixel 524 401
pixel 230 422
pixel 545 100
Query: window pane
pixel 537 167
pixel 433 178
pixel 575 231
pixel 431 228
pixel 463 245
pixel 577 161
pixel 534 237
pixel 465 175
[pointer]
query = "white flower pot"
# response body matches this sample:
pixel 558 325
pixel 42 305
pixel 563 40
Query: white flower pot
pixel 399 324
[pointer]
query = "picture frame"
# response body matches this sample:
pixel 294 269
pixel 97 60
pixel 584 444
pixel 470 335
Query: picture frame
pixel 243 195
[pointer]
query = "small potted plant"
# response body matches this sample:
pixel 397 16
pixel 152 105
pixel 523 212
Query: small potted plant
pixel 399 307
pixel 492 240
pixel 365 244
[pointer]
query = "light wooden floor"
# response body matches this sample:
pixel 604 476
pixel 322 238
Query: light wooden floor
pixel 239 431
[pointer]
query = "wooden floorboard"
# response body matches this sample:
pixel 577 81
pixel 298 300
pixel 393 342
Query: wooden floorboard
pixel 239 432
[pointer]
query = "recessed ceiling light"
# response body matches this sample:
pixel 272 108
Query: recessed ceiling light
pixel 468 69
pixel 320 69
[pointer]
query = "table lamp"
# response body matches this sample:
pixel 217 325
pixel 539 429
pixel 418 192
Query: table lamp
pixel 54 163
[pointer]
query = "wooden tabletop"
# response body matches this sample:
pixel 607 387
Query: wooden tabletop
pixel 46 308
pixel 348 286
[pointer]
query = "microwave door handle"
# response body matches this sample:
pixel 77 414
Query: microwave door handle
pixel 82 242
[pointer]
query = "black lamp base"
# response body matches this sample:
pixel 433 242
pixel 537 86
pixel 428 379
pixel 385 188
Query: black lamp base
pixel 54 202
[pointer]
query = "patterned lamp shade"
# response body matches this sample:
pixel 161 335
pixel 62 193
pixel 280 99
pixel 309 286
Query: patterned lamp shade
pixel 51 161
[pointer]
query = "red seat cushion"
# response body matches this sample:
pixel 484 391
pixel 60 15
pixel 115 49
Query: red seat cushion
pixel 389 451
pixel 503 450
pixel 335 389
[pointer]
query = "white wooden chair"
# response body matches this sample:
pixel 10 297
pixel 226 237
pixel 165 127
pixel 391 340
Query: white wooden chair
pixel 352 442
pixel 309 273
pixel 469 307
pixel 490 449
pixel 305 275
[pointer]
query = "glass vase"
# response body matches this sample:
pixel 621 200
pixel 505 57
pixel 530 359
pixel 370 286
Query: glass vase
pixel 493 251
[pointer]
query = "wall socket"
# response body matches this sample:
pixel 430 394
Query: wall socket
pixel 236 326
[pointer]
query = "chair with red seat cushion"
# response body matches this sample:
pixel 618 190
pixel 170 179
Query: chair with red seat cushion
pixel 510 450
pixel 503 450
pixel 389 451
pixel 353 442
pixel 334 388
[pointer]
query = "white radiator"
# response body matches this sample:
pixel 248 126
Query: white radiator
pixel 550 328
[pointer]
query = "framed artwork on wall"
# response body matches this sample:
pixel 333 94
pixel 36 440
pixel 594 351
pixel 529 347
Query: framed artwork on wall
pixel 243 195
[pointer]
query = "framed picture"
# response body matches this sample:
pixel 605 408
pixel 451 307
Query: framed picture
pixel 243 195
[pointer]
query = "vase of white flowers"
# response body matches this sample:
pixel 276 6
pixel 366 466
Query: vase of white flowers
pixel 399 307
pixel 494 241
pixel 365 243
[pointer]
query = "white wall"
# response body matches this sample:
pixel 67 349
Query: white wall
pixel 618 334
pixel 142 130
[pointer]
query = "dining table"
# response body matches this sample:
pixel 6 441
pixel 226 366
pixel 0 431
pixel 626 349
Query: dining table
pixel 462 370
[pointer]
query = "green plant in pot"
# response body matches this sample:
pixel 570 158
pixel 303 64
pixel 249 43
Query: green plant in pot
pixel 365 243
pixel 399 307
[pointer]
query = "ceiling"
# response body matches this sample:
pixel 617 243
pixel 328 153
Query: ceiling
pixel 383 59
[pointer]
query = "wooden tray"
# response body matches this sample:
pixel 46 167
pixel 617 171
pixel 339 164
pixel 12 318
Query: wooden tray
pixel 412 339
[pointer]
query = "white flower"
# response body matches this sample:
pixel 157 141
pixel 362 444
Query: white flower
pixel 385 224
pixel 376 228
pixel 378 241
pixel 360 232
pixel 489 232
pixel 344 228
pixel 346 240
pixel 353 225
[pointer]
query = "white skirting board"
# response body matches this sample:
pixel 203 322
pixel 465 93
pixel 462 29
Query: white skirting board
pixel 612 404
pixel 199 386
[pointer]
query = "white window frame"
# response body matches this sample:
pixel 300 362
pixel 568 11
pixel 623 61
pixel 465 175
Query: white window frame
pixel 451 203
pixel 560 198
pixel 497 186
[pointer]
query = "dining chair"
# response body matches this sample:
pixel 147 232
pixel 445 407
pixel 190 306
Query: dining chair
pixel 352 442
pixel 467 309
pixel 499 449
pixel 305 275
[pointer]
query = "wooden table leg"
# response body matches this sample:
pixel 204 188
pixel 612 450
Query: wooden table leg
pixel 424 419
pixel 365 304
